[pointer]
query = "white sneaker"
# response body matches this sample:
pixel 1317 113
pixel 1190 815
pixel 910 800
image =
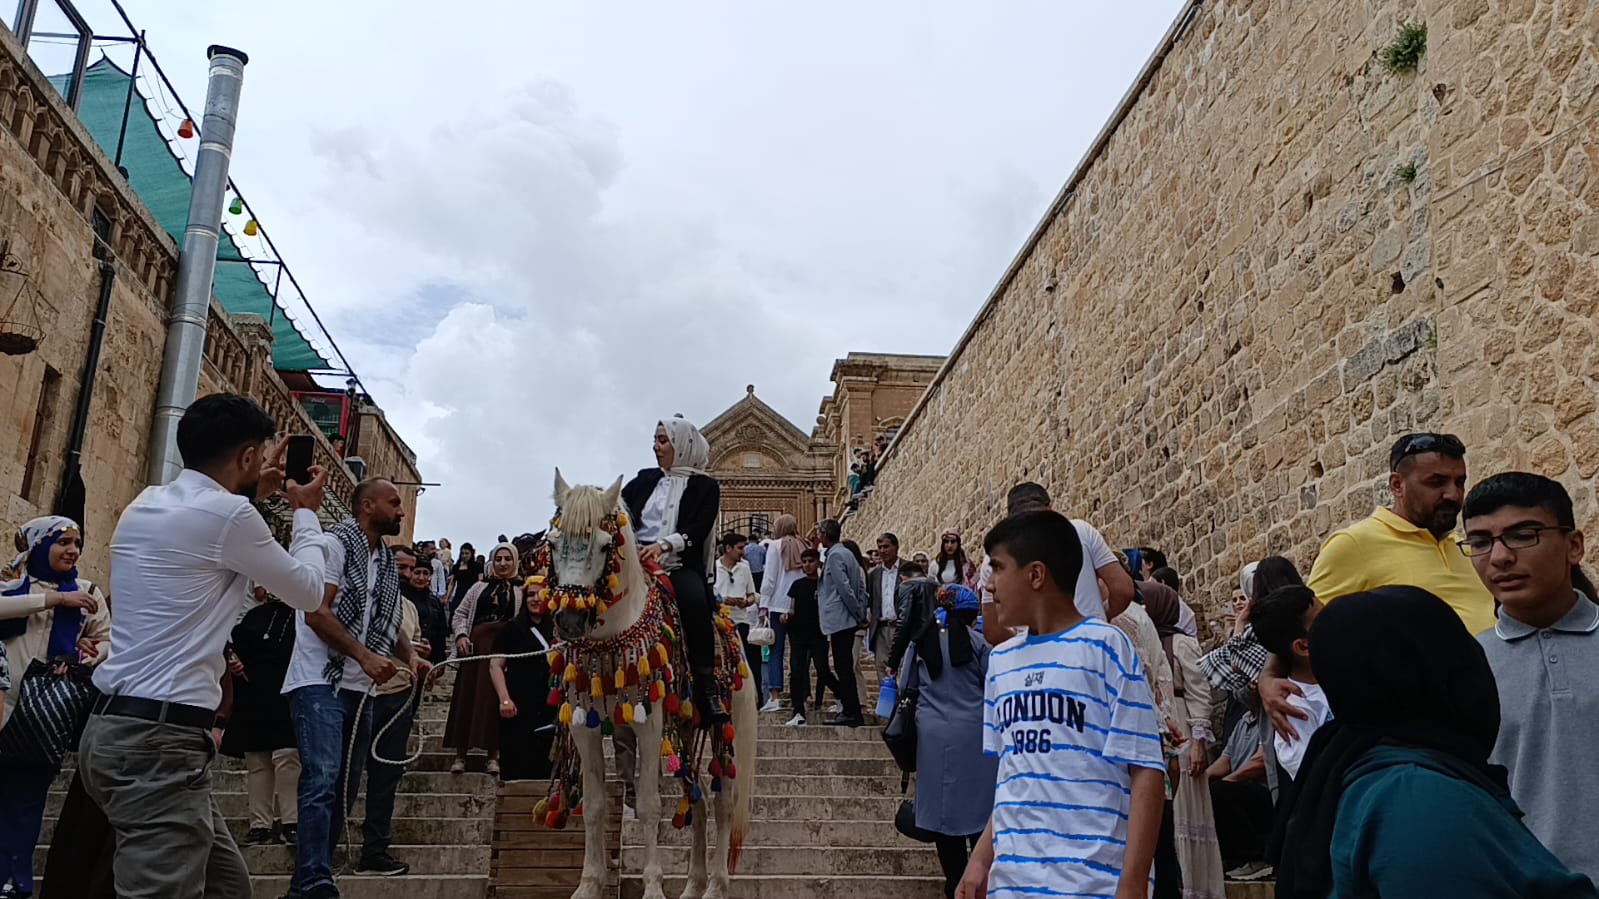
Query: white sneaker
pixel 771 706
pixel 796 721
pixel 837 708
pixel 629 813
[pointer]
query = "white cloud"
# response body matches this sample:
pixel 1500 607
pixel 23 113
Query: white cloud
pixel 537 231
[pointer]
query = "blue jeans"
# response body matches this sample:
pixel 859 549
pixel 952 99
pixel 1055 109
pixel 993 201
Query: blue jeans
pixel 774 663
pixel 382 780
pixel 324 718
pixel 22 799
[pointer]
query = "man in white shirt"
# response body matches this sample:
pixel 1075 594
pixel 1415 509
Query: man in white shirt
pixel 182 559
pixel 1100 565
pixel 882 588
pixel 735 589
pixel 341 651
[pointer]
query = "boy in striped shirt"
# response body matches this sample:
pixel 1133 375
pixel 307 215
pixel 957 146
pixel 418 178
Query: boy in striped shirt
pixel 1080 793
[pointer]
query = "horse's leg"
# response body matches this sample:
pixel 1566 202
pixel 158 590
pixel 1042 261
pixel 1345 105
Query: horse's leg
pixel 595 861
pixel 649 800
pixel 695 887
pixel 723 801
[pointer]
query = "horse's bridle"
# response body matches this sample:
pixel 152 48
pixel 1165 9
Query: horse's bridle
pixel 593 600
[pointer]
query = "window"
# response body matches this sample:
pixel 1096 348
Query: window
pixel 49 392
pixel 58 40
pixel 752 460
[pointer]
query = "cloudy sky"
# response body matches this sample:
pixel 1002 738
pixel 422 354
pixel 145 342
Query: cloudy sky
pixel 535 228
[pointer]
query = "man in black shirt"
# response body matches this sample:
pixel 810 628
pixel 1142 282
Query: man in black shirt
pixel 806 643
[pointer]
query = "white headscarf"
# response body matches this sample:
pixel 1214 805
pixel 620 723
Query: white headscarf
pixel 691 456
pixel 1246 579
pixel 37 531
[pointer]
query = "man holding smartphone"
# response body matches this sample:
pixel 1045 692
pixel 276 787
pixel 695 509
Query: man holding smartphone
pixel 182 558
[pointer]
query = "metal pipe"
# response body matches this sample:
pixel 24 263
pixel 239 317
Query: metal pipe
pixel 197 263
pixel 127 103
pixel 70 498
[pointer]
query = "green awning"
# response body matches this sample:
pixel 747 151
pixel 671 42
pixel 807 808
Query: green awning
pixel 158 178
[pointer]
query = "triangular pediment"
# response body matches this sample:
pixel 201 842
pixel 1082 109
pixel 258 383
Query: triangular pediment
pixel 750 436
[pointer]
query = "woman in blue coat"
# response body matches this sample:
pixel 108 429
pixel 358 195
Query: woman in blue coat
pixel 954 779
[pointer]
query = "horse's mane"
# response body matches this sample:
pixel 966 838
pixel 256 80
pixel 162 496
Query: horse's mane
pixel 584 509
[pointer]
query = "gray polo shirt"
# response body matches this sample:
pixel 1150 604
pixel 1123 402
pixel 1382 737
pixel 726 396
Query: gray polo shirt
pixel 1549 724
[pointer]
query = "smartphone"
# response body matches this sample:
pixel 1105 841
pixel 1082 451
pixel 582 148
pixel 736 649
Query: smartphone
pixel 298 466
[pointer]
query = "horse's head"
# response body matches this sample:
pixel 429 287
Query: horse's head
pixel 586 541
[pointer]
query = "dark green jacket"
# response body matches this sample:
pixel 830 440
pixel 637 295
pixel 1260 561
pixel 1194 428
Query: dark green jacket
pixel 1415 823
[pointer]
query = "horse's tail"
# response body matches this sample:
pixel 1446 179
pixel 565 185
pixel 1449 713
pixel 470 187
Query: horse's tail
pixel 746 715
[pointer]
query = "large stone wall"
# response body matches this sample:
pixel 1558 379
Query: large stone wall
pixel 1242 297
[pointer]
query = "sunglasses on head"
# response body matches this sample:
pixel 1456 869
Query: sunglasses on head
pixel 1416 444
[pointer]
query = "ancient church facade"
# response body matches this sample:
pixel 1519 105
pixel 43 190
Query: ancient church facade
pixel 1296 239
pixel 767 467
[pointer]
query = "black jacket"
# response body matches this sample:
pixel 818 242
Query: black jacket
pixel 696 515
pixel 433 618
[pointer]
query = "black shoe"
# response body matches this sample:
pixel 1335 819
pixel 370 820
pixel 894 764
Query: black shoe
pixel 708 699
pixel 846 721
pixel 289 835
pixel 383 865
pixel 257 836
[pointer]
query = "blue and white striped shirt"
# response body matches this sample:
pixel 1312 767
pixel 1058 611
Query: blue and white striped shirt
pixel 1069 715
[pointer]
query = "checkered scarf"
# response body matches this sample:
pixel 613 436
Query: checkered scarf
pixel 354 591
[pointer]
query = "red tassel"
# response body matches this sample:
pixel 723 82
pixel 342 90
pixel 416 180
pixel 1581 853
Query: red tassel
pixel 728 733
pixel 632 675
pixel 555 697
pixel 715 768
pixel 673 704
pixel 617 716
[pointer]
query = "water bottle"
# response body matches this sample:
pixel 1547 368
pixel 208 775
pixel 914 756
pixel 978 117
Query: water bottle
pixel 887 696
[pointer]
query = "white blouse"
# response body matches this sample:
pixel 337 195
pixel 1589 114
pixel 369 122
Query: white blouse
pixel 653 526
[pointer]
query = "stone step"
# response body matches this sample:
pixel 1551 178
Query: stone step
pixel 802 808
pixel 423 859
pixel 780 743
pixel 407 830
pixel 812 834
pixel 232 780
pixel 406 805
pixel 422 886
pixel 913 860
pixel 805 886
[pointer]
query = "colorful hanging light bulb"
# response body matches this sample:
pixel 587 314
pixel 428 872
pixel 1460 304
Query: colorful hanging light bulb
pixel 186 130
pixel 238 206
pixel 251 228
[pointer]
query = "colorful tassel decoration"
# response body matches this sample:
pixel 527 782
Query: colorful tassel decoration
pixel 716 785
pixel 687 711
pixel 644 667
pixel 730 771
pixel 674 705
pixel 621 519
pixel 743 669
pixel 640 713
pixel 673 765
pixel 541 809
pixel 621 679
pixel 613 583
pixel 593 719
pixel 607 728
pixel 715 768
pixel 666 748
pixel 567 714
pixel 571 675
pixel 624 714
pixel 555 697
pixel 728 733
pixel 597 686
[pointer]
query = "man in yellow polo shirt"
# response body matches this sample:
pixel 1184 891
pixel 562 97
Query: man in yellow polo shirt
pixel 1414 543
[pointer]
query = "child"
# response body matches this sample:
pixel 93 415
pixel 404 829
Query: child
pixel 1282 620
pixel 1078 803
pixel 806 643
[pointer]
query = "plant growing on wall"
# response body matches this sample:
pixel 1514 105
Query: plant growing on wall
pixel 1409 46
pixel 1406 173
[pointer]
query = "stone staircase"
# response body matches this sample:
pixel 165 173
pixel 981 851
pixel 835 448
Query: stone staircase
pixel 822 821
pixel 443 823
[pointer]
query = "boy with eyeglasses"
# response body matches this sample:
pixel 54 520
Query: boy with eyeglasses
pixel 1521 536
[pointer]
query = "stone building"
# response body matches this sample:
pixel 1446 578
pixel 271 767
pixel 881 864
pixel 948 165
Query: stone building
pixel 1280 253
pixel 872 394
pixel 767 467
pixel 57 187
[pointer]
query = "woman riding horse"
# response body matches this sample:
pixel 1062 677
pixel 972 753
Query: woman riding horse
pixel 674 509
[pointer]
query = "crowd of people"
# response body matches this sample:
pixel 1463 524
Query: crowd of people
pixel 1407 718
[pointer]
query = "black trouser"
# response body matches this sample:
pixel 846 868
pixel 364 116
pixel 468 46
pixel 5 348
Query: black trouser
pixel 1168 872
pixel 805 650
pixel 843 644
pixel 694 612
pixel 752 657
pixel 1244 820
pixel 953 853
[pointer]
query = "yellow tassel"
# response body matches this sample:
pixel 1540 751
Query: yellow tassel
pixel 644 667
pixel 621 679
pixel 566 713
pixel 570 676
pixel 597 687
pixel 744 670
pixel 621 519
pixel 666 747
pixel 614 583
pixel 604 608
pixel 627 713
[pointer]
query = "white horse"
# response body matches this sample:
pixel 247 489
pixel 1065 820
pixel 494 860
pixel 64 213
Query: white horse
pixel 603 600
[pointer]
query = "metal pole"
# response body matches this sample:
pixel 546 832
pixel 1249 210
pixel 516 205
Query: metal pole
pixel 197 264
pixel 127 104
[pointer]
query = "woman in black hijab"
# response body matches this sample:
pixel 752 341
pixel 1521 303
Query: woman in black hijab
pixel 1396 796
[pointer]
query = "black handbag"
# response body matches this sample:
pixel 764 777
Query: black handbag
pixel 900 732
pixel 50 714
pixel 905 818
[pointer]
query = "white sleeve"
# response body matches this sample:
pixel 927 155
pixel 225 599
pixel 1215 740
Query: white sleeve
pixel 993 741
pixel 774 573
pixel 295 576
pixel 1096 552
pixel 333 551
